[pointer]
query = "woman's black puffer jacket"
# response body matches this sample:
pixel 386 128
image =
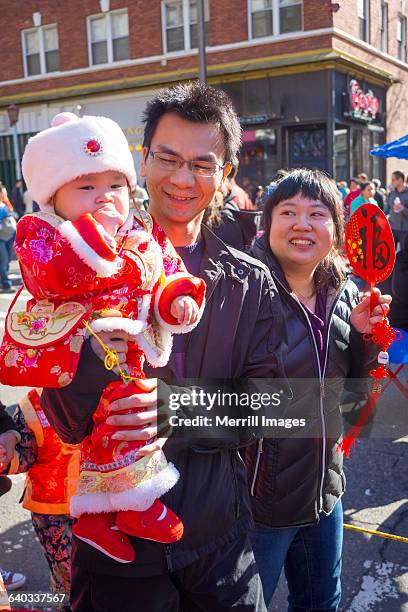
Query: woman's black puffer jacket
pixel 293 479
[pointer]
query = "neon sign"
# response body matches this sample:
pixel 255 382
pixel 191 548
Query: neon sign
pixel 363 106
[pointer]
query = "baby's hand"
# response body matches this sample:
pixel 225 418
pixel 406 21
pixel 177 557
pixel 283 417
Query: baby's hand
pixel 8 443
pixel 185 310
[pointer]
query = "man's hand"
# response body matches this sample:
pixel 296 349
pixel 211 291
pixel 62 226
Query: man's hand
pixel 362 319
pixel 145 422
pixel 185 310
pixel 116 341
pixel 8 443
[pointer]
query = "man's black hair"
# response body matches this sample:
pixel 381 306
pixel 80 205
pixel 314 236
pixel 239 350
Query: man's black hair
pixel 199 103
pixel 399 175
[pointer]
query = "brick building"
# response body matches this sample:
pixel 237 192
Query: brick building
pixel 315 83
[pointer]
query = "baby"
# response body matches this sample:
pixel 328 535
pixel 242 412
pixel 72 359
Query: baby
pixel 94 265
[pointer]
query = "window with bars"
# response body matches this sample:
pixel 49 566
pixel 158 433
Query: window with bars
pixel 108 37
pixel 363 20
pixel 273 17
pixel 402 38
pixel 40 50
pixel 384 27
pixel 180 24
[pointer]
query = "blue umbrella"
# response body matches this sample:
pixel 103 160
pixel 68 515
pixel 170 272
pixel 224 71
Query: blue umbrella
pixel 396 148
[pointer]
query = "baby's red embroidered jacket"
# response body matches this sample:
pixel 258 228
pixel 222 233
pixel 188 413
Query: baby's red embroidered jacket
pixel 76 274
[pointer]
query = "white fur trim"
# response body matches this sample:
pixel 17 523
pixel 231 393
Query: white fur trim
pixel 100 265
pixel 140 498
pixel 158 268
pixel 132 327
pixel 157 358
pixel 174 328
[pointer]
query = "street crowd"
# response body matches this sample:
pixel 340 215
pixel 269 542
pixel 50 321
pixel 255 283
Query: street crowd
pixel 192 279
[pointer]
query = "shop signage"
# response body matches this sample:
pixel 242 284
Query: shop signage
pixel 257 119
pixel 362 105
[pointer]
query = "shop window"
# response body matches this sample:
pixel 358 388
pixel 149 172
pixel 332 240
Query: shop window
pixel 256 97
pixel 384 27
pixel 363 20
pixel 341 136
pixel 308 145
pixel 180 24
pixel 402 38
pixel 108 36
pixel 377 163
pixel 40 50
pixel 273 17
pixel 258 158
pixel 235 90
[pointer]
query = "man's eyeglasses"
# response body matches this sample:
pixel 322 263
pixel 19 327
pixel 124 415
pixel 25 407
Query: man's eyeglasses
pixel 197 167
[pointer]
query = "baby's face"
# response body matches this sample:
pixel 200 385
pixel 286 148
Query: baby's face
pixel 104 195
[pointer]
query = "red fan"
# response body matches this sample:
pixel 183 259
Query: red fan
pixel 371 251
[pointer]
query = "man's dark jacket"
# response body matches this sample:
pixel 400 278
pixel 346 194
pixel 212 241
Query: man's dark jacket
pixel 236 227
pixel 239 335
pixel 292 480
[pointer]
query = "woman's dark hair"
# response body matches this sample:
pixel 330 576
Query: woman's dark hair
pixel 199 103
pixel 365 185
pixel 314 185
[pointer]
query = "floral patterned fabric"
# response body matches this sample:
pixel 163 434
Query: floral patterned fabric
pixel 54 532
pixel 42 343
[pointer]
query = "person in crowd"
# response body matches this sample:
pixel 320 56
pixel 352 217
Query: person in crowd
pixel 113 252
pixel 379 194
pixel 28 202
pixel 235 226
pixel 259 196
pixel 354 192
pixel 238 194
pixel 362 177
pixel 397 204
pixel 9 436
pixel 191 141
pixel 366 197
pixel 7 234
pixel 52 472
pixel 17 198
pixel 343 188
pixel 296 482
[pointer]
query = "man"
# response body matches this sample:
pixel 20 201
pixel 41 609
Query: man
pixel 379 195
pixel 17 198
pixel 397 204
pixel 192 137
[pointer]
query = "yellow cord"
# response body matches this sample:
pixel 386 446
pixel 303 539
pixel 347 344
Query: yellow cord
pixel 111 358
pixel 380 534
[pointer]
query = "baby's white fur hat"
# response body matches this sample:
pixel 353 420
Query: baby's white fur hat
pixel 73 147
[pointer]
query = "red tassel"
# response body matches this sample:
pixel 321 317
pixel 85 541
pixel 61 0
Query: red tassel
pixel 349 439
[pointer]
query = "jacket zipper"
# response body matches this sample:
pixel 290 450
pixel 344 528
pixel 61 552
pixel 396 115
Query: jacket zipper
pixel 235 485
pixel 258 459
pixel 321 376
pixel 167 552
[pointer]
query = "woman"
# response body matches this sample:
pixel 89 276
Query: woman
pixel 366 197
pixel 296 483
